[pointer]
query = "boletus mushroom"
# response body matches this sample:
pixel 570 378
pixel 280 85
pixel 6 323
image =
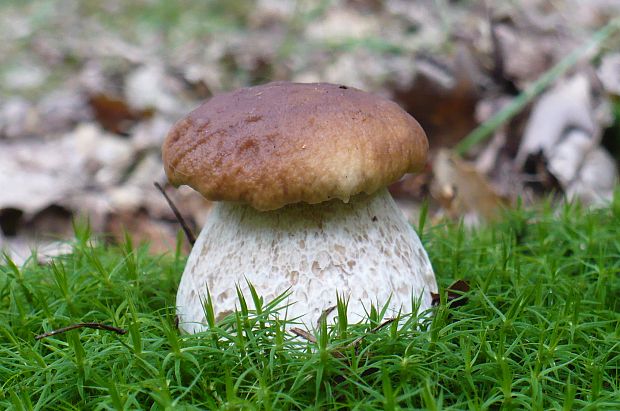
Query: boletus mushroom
pixel 299 173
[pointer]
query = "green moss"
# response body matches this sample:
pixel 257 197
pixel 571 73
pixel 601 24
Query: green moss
pixel 540 329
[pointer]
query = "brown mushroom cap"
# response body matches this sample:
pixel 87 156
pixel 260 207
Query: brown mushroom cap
pixel 283 143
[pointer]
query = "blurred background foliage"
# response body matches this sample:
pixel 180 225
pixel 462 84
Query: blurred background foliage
pixel 88 91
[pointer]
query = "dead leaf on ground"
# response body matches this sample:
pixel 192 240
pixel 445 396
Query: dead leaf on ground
pixel 160 235
pixel 567 105
pixel 597 179
pixel 563 135
pixel 54 152
pixel 115 114
pixel 462 191
pixel 46 182
pixel 455 293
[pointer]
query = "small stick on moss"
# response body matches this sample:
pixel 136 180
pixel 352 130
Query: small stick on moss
pixel 303 334
pixel 353 344
pixel 191 238
pixel 324 315
pixel 358 340
pixel 96 326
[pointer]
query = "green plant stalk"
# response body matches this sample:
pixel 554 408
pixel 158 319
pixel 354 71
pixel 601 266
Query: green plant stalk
pixel 483 131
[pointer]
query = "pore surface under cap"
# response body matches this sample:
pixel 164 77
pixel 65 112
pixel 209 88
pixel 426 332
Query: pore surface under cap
pixel 283 143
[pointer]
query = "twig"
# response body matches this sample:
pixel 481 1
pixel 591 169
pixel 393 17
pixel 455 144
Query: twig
pixel 483 131
pixel 303 334
pixel 324 314
pixel 96 326
pixel 358 340
pixel 191 238
pixel 353 344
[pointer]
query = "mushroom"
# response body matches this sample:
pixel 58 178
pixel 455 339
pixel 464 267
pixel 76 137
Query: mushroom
pixel 300 174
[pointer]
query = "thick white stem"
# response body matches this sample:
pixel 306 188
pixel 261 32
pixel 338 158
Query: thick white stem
pixel 363 249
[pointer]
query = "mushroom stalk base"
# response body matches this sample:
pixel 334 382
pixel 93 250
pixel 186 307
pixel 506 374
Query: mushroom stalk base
pixel 363 249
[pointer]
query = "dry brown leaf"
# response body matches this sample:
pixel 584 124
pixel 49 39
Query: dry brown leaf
pixel 160 235
pixel 115 114
pixel 462 191
pixel 454 293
